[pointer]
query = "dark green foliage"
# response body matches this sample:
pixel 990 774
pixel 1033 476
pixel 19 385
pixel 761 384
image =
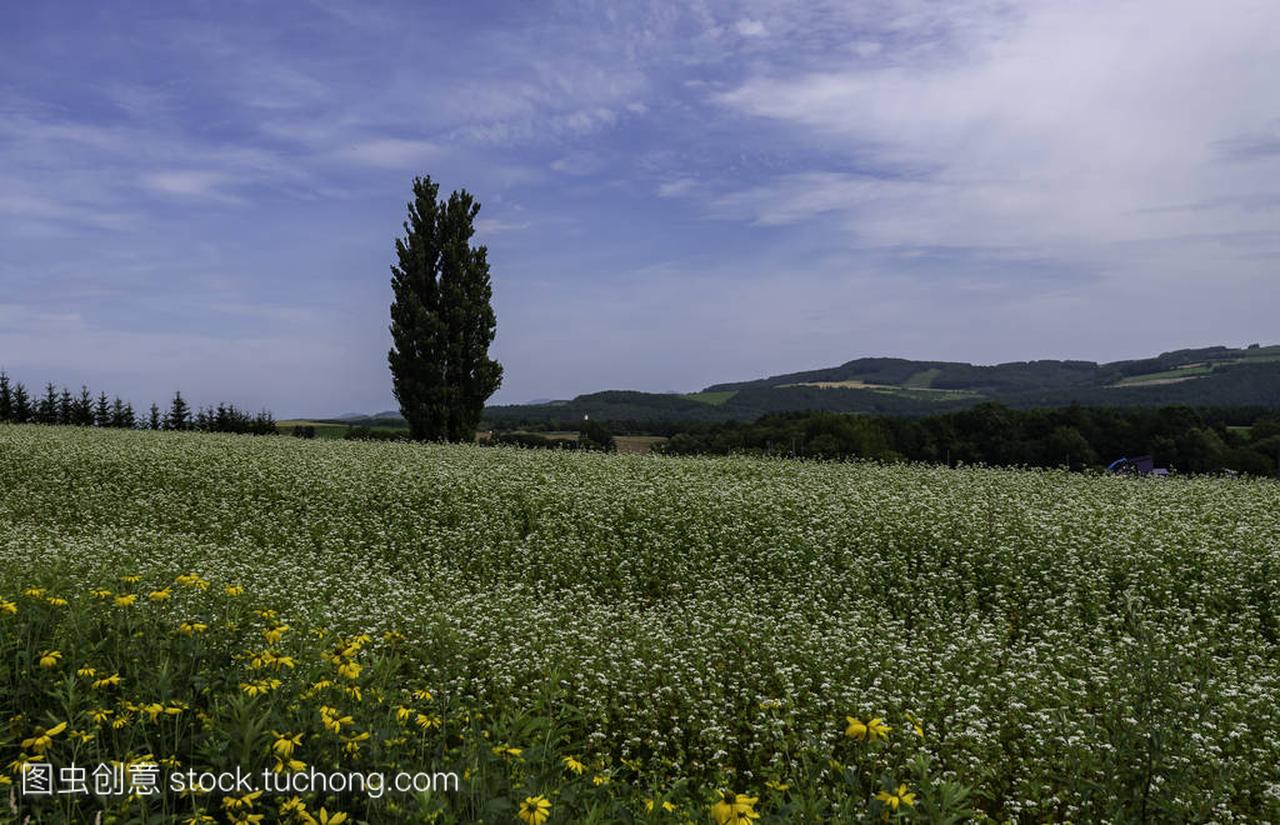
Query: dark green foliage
pixel 121 414
pixel 6 398
pixel 442 322
pixel 362 433
pixel 593 435
pixel 154 422
pixel 102 411
pixel 1077 437
pixel 47 408
pixel 179 416
pixel 22 412
pixel 82 409
pixel 227 418
pixel 66 408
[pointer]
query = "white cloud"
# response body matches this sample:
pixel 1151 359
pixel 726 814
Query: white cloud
pixel 1072 124
pixel 677 188
pixel 750 28
pixel 196 183
pixel 390 153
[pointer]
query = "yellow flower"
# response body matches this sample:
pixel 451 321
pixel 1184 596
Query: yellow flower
pixel 776 785
pixel 507 750
pixel 34 592
pixel 49 658
pixel 332 719
pixel 293 806
pixel 235 803
pixel 57 601
pixel 198 819
pixel 351 744
pixel 44 738
pixel 422 694
pixel 126 601
pixel 877 729
pixel 327 818
pixel 916 725
pixel 855 730
pixel 131 579
pixel 275 634
pixel 87 671
pixel 289 765
pixel 573 765
pixel 534 810
pixel 152 710
pixel 107 681
pixel 735 809
pixel 427 722
pixel 161 595
pixel 100 593
pixel 19 764
pixel 403 714
pixel 260 687
pixel 235 590
pixel 286 742
pixel 893 800
pixel 192 628
pixel 99 715
pixel 666 806
pixel 8 608
pixel 192 580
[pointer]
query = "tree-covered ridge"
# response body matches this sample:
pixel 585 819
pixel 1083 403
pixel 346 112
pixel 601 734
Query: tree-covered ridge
pixel 1214 376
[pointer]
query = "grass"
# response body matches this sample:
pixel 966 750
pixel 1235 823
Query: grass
pixel 922 379
pixel 715 399
pixel 1166 376
pixel 327 430
pixel 1033 646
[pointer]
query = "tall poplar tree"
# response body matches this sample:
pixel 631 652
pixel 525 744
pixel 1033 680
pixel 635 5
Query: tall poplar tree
pixel 442 319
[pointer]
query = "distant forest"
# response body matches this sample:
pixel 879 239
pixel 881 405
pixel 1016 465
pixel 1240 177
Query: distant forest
pixel 1180 438
pixel 18 406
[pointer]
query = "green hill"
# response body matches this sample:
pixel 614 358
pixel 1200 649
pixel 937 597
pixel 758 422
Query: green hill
pixel 1210 376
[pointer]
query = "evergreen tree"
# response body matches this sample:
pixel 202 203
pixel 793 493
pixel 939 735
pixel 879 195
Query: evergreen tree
pixel 82 408
pixel 47 409
pixel 117 413
pixel 6 398
pixel 21 404
pixel 442 321
pixel 179 416
pixel 66 407
pixel 128 420
pixel 102 412
pixel 153 418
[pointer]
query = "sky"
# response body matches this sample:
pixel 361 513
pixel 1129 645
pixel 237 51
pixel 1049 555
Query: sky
pixel 205 196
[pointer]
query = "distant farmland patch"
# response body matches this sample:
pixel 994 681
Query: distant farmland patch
pixel 715 398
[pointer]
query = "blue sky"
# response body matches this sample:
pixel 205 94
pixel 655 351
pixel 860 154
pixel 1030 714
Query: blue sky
pixel 205 195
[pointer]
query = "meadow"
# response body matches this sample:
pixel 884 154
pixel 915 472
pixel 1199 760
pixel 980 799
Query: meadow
pixel 625 638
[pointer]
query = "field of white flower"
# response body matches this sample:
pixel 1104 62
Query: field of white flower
pixel 825 642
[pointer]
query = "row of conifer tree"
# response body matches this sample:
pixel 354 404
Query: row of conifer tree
pixel 18 406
